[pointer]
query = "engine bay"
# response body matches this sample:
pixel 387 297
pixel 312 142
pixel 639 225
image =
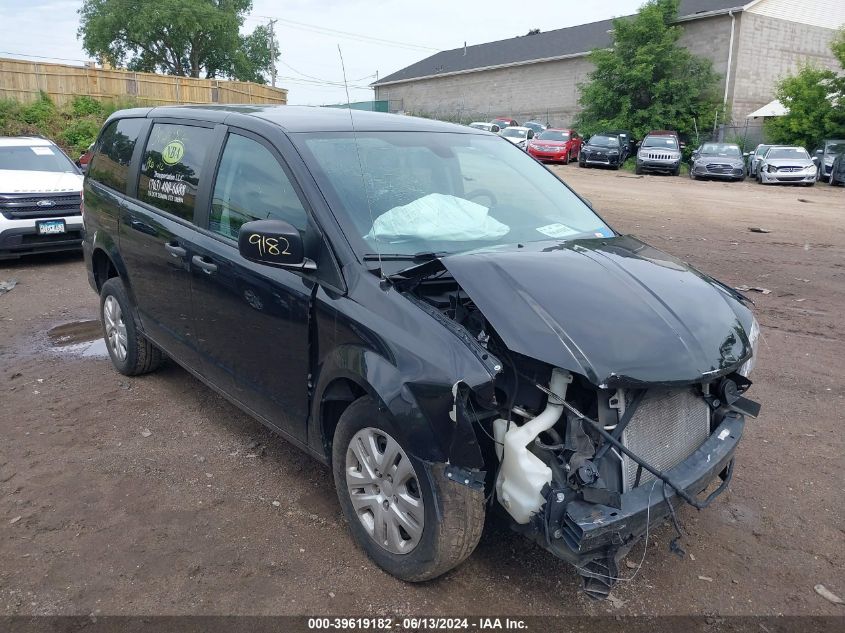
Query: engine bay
pixel 552 439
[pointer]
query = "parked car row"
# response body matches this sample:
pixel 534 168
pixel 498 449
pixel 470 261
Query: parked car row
pixel 770 164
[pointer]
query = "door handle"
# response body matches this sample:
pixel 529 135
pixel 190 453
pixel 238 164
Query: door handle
pixel 175 250
pixel 207 267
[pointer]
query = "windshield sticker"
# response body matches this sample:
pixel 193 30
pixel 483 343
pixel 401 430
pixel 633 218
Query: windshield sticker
pixel 43 151
pixel 557 230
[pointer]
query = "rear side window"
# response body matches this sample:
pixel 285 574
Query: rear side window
pixel 110 164
pixel 251 185
pixel 172 165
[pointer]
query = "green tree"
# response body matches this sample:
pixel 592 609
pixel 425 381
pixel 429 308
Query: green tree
pixel 646 80
pixel 815 100
pixel 191 38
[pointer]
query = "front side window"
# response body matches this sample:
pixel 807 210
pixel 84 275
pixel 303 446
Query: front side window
pixel 251 185
pixel 171 167
pixel 443 193
pixel 110 164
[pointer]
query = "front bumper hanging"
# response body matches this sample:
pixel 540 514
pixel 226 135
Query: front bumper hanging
pixel 585 534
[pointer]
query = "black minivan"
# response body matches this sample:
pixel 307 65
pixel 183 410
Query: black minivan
pixel 431 312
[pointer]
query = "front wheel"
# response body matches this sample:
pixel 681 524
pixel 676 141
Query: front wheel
pixel 409 518
pixel 131 352
pixel 638 170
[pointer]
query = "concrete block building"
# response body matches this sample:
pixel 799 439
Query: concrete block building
pixel 752 44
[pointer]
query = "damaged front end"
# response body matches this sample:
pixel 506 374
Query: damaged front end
pixel 585 453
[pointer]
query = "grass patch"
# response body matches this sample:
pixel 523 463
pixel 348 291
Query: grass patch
pixel 73 127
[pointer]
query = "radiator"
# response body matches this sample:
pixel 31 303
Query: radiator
pixel 667 427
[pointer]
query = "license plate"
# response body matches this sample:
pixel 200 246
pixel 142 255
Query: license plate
pixel 50 227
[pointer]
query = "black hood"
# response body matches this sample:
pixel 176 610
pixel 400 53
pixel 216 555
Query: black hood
pixel 617 311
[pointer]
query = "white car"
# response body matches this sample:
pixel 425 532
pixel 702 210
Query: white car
pixel 791 165
pixel 40 198
pixel 519 136
pixel 487 127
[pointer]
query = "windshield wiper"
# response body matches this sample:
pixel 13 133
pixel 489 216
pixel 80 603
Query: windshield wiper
pixel 402 257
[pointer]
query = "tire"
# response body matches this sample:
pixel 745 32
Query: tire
pixel 692 175
pixel 581 163
pixel 676 171
pixel 566 159
pixel 452 514
pixel 131 353
pixel 638 170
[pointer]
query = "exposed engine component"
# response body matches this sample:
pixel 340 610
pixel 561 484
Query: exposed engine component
pixel 566 450
pixel 523 475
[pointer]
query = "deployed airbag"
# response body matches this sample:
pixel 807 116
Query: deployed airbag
pixel 437 217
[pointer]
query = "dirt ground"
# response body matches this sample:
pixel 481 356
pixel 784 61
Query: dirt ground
pixel 153 495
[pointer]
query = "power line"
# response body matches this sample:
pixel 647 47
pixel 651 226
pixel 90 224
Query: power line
pixel 61 59
pixel 322 30
pixel 331 81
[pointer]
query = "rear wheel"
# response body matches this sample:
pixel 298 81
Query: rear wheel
pixel 130 351
pixel 409 518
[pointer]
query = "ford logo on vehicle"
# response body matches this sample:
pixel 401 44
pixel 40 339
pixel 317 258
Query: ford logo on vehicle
pixel 45 203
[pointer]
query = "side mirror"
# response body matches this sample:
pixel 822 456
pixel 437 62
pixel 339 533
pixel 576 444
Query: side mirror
pixel 273 243
pixel 819 152
pixel 746 154
pixel 682 145
pixel 816 160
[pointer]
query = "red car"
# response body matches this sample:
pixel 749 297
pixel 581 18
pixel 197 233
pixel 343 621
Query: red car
pixel 83 160
pixel 504 121
pixel 556 145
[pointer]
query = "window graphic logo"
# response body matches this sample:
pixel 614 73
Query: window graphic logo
pixel 173 152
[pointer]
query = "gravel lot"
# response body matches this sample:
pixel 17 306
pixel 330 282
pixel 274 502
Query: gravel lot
pixel 152 495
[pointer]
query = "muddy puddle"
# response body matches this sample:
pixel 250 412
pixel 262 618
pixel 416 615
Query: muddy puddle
pixel 79 338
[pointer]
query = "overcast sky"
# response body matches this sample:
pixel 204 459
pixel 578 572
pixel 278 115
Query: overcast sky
pixel 393 34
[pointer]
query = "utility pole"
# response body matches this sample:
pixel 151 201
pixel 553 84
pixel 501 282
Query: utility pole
pixel 272 54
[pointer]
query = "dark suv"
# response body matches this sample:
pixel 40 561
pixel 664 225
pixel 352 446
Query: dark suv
pixel 391 297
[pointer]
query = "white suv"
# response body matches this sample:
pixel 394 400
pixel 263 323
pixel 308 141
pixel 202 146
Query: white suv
pixel 40 198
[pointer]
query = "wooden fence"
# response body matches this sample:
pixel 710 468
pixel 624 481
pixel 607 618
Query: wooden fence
pixel 23 81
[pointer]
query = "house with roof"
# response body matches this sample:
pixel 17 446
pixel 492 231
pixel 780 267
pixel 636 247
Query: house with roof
pixel 752 44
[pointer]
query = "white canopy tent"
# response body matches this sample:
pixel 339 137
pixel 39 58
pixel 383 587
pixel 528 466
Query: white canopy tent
pixel 773 108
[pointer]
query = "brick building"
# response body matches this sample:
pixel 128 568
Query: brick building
pixel 752 45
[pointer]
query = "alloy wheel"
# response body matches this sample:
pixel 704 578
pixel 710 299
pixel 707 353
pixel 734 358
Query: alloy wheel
pixel 115 327
pixel 384 490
